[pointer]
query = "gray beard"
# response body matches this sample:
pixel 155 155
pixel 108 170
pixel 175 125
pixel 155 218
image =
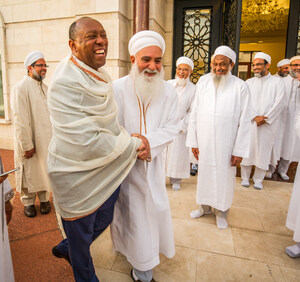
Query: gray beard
pixel 147 88
pixel 36 76
pixel 294 74
pixel 220 79
pixel 282 74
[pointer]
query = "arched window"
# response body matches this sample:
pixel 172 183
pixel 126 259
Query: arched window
pixel 4 111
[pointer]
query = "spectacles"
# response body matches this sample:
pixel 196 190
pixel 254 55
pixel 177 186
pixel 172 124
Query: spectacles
pixel 222 65
pixel 258 65
pixel 295 65
pixel 184 70
pixel 40 65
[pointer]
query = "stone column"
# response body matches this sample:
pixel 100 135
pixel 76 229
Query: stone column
pixel 140 15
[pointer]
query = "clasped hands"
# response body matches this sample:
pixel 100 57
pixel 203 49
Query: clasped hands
pixel 260 120
pixel 235 161
pixel 144 149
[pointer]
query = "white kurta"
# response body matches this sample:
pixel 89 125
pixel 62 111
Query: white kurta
pixel 267 99
pixel 293 217
pixel 219 127
pixel 6 267
pixel 290 150
pixel 32 128
pixel 178 155
pixel 142 225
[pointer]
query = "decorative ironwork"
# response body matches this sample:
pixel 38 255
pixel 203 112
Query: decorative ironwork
pixel 230 22
pixel 298 42
pixel 197 39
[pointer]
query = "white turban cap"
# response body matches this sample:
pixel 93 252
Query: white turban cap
pixel 264 56
pixel 33 57
pixel 185 60
pixel 294 58
pixel 145 38
pixel 283 62
pixel 225 51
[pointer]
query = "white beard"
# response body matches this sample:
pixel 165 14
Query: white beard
pixel 294 74
pixel 220 79
pixel 147 88
pixel 37 76
pixel 181 81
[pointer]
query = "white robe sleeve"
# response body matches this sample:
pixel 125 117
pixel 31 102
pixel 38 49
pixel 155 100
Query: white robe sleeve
pixel 22 118
pixel 186 119
pixel 191 139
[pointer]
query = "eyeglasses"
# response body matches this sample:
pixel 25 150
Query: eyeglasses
pixel 258 65
pixel 295 65
pixel 184 70
pixel 40 65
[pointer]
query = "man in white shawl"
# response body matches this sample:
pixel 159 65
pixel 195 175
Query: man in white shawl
pixel 32 134
pixel 219 134
pixel 178 155
pixel 267 102
pixel 290 150
pixel 283 67
pixel 293 217
pixel 6 193
pixel 142 225
pixel 89 153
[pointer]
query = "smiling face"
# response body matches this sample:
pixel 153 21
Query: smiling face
pixel 90 43
pixel 284 70
pixel 260 68
pixel 183 71
pixel 38 70
pixel 295 68
pixel 221 64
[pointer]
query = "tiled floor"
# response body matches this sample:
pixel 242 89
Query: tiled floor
pixel 251 249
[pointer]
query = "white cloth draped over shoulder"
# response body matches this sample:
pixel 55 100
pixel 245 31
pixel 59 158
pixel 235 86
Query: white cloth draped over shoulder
pixel 219 127
pixel 6 267
pixel 290 149
pixel 142 224
pixel 267 99
pixel 89 153
pixel 32 129
pixel 178 155
pixel 293 217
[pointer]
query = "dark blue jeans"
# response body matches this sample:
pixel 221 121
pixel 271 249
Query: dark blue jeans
pixel 80 235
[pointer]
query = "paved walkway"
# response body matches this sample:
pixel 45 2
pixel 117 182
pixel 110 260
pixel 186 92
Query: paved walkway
pixel 251 249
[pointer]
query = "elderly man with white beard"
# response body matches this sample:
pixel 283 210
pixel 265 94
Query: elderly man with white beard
pixel 267 101
pixel 283 67
pixel 290 150
pixel 142 225
pixel 219 134
pixel 178 155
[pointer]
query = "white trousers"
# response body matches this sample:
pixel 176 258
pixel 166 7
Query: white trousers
pixel 28 199
pixel 258 177
pixel 283 166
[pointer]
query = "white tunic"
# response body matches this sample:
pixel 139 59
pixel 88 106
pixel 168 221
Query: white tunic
pixel 32 128
pixel 6 267
pixel 142 225
pixel 178 155
pixel 293 217
pixel 291 144
pixel 267 99
pixel 219 127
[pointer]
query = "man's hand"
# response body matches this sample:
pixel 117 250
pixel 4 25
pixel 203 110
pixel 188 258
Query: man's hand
pixel 196 153
pixel 260 120
pixel 144 148
pixel 235 161
pixel 8 211
pixel 2 178
pixel 29 154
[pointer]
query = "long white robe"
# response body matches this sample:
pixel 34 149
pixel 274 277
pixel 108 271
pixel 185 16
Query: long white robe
pixel 178 155
pixel 6 267
pixel 219 127
pixel 293 217
pixel 290 149
pixel 32 128
pixel 267 99
pixel 142 224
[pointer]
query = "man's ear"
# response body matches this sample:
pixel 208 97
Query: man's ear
pixel 232 65
pixel 72 45
pixel 132 59
pixel 268 66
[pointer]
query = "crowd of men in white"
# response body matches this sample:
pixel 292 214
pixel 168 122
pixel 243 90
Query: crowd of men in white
pixel 222 121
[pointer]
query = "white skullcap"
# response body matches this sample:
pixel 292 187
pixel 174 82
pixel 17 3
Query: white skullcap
pixel 185 60
pixel 262 55
pixel 145 38
pixel 294 58
pixel 225 51
pixel 32 57
pixel 283 63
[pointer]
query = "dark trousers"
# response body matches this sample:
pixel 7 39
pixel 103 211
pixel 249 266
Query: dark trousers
pixel 80 235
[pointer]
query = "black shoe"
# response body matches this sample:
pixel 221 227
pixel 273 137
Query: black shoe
pixel 30 211
pixel 58 254
pixel 193 172
pixel 133 279
pixel 45 207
